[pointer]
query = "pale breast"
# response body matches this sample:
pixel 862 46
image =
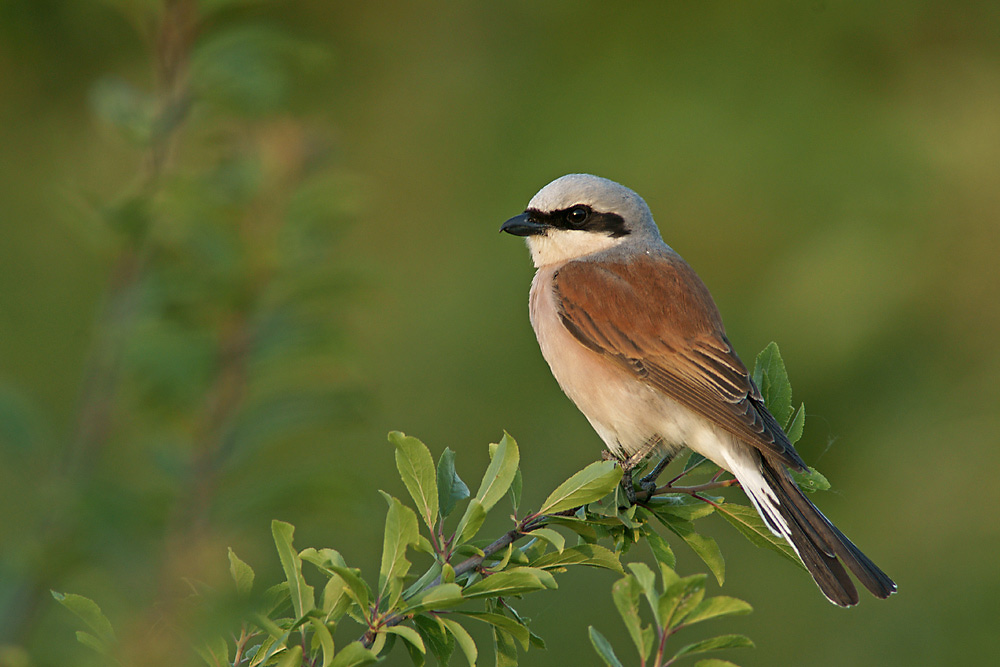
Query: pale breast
pixel 625 412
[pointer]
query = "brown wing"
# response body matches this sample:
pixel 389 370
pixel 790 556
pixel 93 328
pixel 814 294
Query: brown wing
pixel 655 317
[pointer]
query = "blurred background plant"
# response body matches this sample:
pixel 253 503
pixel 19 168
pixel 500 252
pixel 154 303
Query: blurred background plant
pixel 307 195
pixel 218 342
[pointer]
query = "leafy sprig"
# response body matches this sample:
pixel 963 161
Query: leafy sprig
pixel 586 520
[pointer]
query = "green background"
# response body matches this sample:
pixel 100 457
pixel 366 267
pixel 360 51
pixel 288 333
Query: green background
pixel 829 168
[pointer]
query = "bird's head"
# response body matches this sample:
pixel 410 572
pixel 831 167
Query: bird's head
pixel 579 214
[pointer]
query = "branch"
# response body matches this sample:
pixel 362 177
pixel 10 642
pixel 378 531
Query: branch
pixel 693 490
pixel 523 529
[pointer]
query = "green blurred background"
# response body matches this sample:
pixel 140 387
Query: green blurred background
pixel 190 347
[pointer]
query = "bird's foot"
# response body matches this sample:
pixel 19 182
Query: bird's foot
pixel 647 484
pixel 628 486
pixel 648 481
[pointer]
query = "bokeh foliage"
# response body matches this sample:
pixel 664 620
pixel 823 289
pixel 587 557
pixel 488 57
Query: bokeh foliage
pixel 828 168
pixel 218 342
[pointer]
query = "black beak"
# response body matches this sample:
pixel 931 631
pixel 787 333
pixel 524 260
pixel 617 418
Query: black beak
pixel 523 225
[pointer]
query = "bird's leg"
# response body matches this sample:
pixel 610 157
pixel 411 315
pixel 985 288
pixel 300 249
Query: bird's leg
pixel 648 482
pixel 630 463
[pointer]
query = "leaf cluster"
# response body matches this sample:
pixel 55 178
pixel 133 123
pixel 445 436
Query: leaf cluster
pixel 676 604
pixel 308 618
pixel 467 579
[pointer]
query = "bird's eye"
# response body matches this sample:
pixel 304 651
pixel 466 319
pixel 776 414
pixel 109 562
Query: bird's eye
pixel 577 215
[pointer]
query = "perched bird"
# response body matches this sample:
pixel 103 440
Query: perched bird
pixel 635 340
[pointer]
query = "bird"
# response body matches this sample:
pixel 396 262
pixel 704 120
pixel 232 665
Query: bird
pixel 635 340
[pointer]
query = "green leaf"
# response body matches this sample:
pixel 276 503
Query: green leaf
pixel 680 598
pixel 303 599
pixel 533 639
pixel 214 652
pixel 408 634
pixel 661 550
pixel 798 424
pixel 514 581
pixel 720 605
pixel 471 521
pixel 400 532
pixel 464 640
pixel 715 662
pixel 625 593
pixel 275 643
pixel 696 460
pixel 679 506
pixel 432 573
pixel 433 631
pixel 416 468
pixel 91 614
pixel 504 560
pixel 550 536
pixel 517 630
pixel 811 481
pixel 416 657
pixel 356 588
pixel 290 658
pixel 603 648
pixel 503 645
pixel 590 484
pixel 424 545
pixel 500 473
pixel 715 644
pixel 95 644
pixel 581 527
pixel 441 596
pixel 354 655
pixel 668 576
pixel 593 555
pixel 450 486
pixel 242 574
pixel 746 520
pixel 647 584
pixel 269 626
pixel 335 600
pixel 771 378
pixel 706 547
pixel 380 641
pixel 515 490
pixel 322 634
pixel 608 506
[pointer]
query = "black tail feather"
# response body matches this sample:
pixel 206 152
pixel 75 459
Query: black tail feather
pixel 824 550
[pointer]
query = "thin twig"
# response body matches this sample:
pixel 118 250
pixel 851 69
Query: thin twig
pixel 694 490
pixel 523 529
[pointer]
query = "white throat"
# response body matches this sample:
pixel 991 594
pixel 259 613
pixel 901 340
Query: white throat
pixel 558 246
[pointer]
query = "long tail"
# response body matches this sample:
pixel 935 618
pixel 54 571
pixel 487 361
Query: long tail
pixel 824 550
